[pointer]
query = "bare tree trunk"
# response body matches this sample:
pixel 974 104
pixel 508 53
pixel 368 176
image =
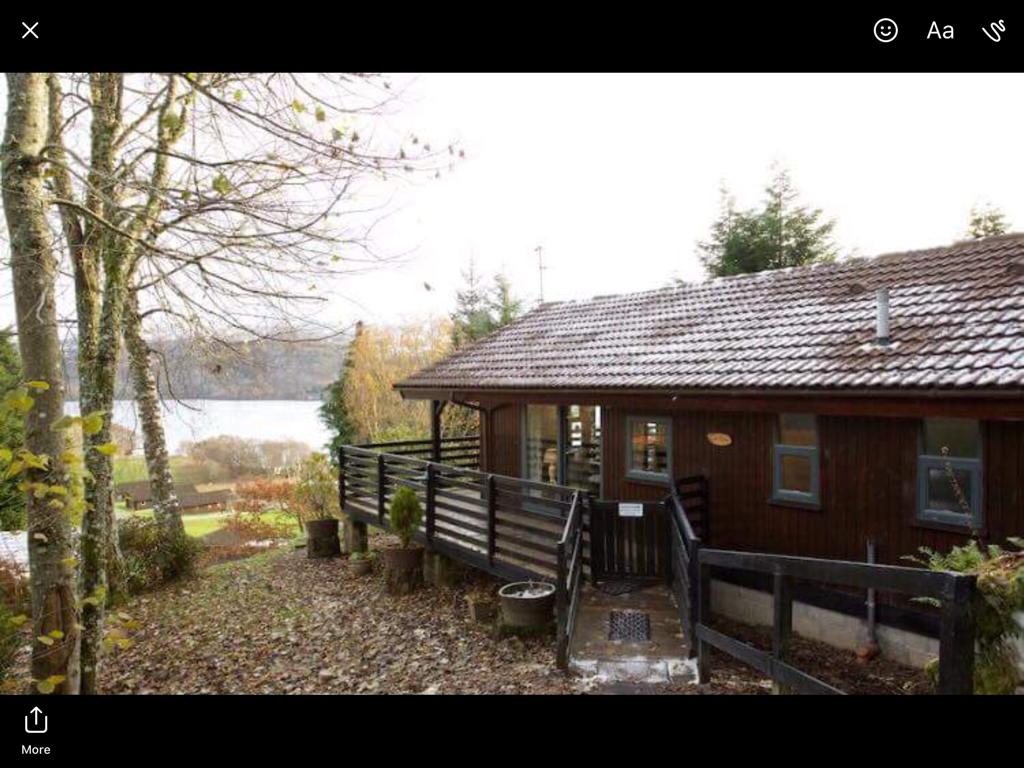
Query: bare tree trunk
pixel 34 270
pixel 101 570
pixel 165 500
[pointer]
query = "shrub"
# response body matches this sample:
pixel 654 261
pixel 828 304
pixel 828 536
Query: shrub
pixel 315 496
pixel 249 526
pixel 406 514
pixel 264 494
pixel 1000 595
pixel 10 639
pixel 147 562
pixel 14 586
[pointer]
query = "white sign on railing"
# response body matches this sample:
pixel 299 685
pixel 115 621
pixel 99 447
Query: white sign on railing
pixel 631 510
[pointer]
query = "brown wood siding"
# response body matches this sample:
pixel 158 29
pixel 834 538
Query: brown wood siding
pixel 868 479
pixel 499 438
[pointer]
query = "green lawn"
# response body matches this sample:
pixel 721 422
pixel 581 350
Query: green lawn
pixel 128 469
pixel 202 524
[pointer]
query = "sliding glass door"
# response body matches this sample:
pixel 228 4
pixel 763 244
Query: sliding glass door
pixel 562 444
pixel 582 448
pixel 541 441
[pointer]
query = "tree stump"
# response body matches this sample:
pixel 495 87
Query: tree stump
pixel 356 539
pixel 403 569
pixel 322 539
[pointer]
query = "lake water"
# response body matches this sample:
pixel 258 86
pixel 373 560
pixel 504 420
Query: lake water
pixel 193 420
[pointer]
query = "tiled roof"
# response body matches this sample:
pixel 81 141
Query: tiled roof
pixel 957 322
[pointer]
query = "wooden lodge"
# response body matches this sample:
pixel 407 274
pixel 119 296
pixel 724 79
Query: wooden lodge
pixel 847 412
pixel 826 406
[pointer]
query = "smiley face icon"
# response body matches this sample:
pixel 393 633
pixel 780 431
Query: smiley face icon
pixel 886 30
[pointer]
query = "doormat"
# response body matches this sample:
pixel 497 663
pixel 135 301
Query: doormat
pixel 629 625
pixel 621 586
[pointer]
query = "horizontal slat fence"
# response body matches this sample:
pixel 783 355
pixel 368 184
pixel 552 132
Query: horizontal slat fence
pixel 507 526
pixel 954 590
pixel 463 452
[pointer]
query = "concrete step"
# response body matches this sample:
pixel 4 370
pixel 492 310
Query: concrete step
pixel 636 669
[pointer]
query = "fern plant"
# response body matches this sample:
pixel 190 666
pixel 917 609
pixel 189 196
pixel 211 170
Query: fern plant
pixel 1000 595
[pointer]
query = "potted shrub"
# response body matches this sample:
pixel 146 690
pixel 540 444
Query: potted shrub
pixel 361 563
pixel 315 497
pixel 527 604
pixel 403 565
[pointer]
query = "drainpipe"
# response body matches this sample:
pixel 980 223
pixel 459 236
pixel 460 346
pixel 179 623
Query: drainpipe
pixel 872 634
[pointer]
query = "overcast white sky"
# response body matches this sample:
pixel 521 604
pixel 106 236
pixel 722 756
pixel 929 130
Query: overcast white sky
pixel 617 176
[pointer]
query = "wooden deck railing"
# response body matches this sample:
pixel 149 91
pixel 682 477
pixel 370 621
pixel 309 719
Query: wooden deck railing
pixel 454 451
pixel 954 590
pixel 504 525
pixel 569 578
pixel 685 576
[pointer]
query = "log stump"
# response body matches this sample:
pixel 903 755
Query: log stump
pixel 403 569
pixel 356 539
pixel 322 539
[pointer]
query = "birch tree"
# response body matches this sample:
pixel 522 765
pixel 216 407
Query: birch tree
pixel 55 649
pixel 217 203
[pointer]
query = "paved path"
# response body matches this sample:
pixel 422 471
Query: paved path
pixel 633 664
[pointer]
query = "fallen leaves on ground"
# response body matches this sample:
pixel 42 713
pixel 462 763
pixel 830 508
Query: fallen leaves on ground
pixel 281 623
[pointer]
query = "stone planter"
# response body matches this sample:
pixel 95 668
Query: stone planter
pixel 322 538
pixel 527 604
pixel 482 608
pixel 403 569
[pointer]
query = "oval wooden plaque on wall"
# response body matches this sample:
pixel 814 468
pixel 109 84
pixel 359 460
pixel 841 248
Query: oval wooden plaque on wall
pixel 720 439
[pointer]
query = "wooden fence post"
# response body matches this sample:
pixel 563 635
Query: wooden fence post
pixel 782 622
pixel 492 529
pixel 956 638
pixel 693 593
pixel 561 609
pixel 703 617
pixel 381 486
pixel 436 408
pixel 431 501
pixel 705 534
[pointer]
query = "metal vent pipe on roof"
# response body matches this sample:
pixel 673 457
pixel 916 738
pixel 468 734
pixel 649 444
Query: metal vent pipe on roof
pixel 882 315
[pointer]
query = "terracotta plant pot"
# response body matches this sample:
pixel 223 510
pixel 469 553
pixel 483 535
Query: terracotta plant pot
pixel 322 538
pixel 403 569
pixel 527 604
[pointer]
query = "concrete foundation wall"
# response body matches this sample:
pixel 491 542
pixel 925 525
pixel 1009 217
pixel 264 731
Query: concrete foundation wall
pixel 837 629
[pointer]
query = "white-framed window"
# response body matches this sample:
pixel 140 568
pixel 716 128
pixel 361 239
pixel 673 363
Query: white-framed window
pixel 649 449
pixel 949 472
pixel 796 467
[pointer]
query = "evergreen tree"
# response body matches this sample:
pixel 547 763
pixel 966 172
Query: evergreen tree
pixel 986 221
pixel 504 306
pixel 12 435
pixel 472 318
pixel 780 234
pixel 479 310
pixel 333 411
